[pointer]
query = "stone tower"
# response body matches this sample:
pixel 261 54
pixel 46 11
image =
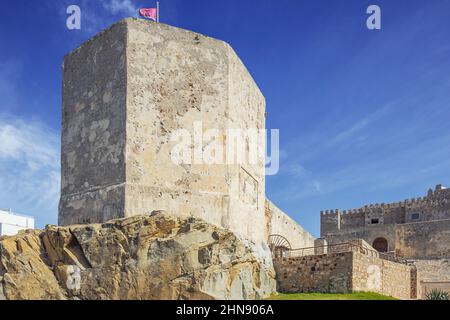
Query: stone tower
pixel 125 92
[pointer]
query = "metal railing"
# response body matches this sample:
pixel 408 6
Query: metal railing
pixel 340 248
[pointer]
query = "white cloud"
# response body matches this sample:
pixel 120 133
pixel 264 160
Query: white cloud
pixel 29 168
pixel 297 170
pixel 116 7
pixel 28 142
pixel 98 15
pixel 358 126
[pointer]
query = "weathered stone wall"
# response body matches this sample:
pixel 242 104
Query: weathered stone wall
pixel 344 273
pixel 126 92
pixel 421 240
pixel 93 127
pixel 369 234
pixel 427 287
pixel 392 221
pixel 318 273
pixel 435 206
pixel 433 270
pixel 279 223
pixel 432 274
pixel 378 275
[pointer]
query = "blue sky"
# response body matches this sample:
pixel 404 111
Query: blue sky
pixel 363 115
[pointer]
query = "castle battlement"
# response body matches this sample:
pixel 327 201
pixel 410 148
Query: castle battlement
pixel 434 206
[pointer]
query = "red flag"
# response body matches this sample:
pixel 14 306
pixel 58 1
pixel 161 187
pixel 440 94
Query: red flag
pixel 150 13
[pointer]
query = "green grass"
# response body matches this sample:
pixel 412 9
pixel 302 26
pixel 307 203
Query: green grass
pixel 331 296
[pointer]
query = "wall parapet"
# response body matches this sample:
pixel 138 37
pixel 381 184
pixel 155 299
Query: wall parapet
pixel 278 222
pixel 434 206
pixel 345 272
pixel 359 246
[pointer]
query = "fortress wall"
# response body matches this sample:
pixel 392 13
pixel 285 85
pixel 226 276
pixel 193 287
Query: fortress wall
pixel 191 79
pixel 344 273
pixel 435 206
pixel 382 276
pixel 368 234
pixel 93 123
pixel 246 110
pixel 428 239
pixel 329 222
pixel 359 223
pixel 327 273
pixel 173 81
pixel 280 223
pixel 433 270
pixel 359 218
pixel 394 215
pixel 126 92
pixel 352 220
pixel 432 274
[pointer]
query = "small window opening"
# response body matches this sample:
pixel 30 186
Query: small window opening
pixel 415 216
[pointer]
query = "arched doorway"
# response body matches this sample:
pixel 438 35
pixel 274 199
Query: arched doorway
pixel 380 244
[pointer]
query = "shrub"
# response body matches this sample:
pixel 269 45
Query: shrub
pixel 437 294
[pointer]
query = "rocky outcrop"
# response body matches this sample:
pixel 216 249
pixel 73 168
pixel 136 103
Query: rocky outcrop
pixel 142 257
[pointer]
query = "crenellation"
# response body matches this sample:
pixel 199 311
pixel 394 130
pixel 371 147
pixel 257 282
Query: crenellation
pixel 379 220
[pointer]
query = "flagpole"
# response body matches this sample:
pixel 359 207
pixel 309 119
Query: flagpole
pixel 157 11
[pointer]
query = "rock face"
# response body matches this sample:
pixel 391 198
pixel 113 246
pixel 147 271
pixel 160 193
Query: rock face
pixel 143 257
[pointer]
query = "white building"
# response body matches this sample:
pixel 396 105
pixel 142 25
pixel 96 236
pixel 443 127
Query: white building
pixel 11 223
